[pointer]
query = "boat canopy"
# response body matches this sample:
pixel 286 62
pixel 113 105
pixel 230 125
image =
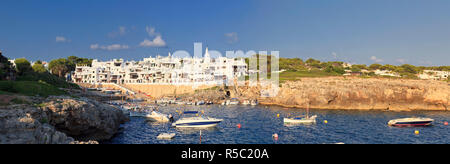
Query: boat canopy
pixel 190 112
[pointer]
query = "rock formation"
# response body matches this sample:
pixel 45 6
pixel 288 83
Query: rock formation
pixel 60 120
pixel 358 93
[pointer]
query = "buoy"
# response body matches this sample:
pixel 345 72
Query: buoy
pixel 445 123
pixel 275 136
pixel 325 121
pixel 416 132
pixel 278 115
pixel 238 126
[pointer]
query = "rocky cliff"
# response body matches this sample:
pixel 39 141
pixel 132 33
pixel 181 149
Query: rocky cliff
pixel 358 93
pixel 59 120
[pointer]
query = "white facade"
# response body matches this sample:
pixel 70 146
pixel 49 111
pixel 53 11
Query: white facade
pixel 434 75
pixel 163 70
pixel 386 73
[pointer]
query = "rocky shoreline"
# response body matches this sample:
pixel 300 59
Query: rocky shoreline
pixel 361 94
pixel 347 93
pixel 59 120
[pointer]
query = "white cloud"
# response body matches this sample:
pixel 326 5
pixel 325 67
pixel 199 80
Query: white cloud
pixel 121 32
pixel 157 42
pixel 95 46
pixel 232 37
pixel 112 47
pixel 61 39
pixel 375 59
pixel 151 31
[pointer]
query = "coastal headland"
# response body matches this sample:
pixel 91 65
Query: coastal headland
pixel 349 93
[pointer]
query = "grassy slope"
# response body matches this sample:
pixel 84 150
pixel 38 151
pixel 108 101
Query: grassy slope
pixel 29 88
pixel 296 75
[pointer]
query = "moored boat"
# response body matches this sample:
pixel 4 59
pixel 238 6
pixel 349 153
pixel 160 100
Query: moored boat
pixel 254 102
pixel 157 116
pixel 403 122
pixel 301 119
pixel 295 120
pixel 196 121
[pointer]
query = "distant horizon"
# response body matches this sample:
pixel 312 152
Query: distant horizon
pixel 358 32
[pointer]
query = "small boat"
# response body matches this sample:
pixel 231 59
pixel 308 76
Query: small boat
pixel 158 117
pixel 295 120
pixel 166 136
pixel 254 102
pixel 246 102
pixel 200 102
pixel 300 119
pixel 233 101
pixel 196 121
pixel 402 122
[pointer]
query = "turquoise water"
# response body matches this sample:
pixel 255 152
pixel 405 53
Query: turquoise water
pixel 259 123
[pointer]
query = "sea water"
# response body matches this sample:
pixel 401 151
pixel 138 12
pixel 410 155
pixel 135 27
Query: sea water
pixel 259 123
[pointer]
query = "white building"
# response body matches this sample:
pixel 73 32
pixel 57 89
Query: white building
pixel 163 70
pixel 434 75
pixel 386 73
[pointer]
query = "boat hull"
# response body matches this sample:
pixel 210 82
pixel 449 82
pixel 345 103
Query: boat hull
pixel 299 121
pixel 203 124
pixel 410 122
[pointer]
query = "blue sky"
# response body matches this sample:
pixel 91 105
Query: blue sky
pixel 369 31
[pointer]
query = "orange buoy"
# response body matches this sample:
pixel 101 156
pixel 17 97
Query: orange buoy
pixel 238 126
pixel 275 136
pixel 416 132
pixel 445 123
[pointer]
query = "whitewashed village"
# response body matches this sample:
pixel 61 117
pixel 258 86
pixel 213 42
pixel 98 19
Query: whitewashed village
pixel 163 70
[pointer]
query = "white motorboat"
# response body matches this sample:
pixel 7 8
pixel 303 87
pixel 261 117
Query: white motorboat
pixel 402 122
pixel 158 117
pixel 196 121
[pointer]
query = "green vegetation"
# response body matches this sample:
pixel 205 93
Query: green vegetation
pixel 39 67
pixel 62 66
pixel 295 68
pixel 36 80
pixel 48 79
pixel 296 75
pixel 30 88
pixel 23 66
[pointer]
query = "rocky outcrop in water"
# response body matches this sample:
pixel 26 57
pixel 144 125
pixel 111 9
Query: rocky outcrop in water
pixel 60 120
pixel 83 118
pixel 358 93
pixel 24 124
